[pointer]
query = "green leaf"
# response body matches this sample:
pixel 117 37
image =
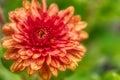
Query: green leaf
pixel 111 76
pixel 2 51
pixel 7 75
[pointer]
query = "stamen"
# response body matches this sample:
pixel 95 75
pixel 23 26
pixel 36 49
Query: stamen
pixel 42 33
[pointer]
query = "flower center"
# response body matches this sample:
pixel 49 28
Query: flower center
pixel 42 33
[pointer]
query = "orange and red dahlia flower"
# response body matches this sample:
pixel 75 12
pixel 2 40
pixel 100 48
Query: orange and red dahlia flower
pixel 43 40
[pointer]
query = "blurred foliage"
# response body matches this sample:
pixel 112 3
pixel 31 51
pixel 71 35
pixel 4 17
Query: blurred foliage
pixel 102 60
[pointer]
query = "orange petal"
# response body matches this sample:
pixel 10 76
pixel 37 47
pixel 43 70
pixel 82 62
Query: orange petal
pixel 11 55
pixel 26 4
pixel 80 48
pixel 24 52
pixel 55 63
pixel 26 63
pixel 44 6
pixel 30 71
pixel 17 66
pixel 16 16
pixel 35 66
pixel 40 61
pixel 62 67
pixel 35 56
pixel 69 13
pixel 53 9
pixel 48 60
pixel 45 73
pixel 74 56
pixel 7 29
pixel 5 38
pixel 62 53
pixel 24 57
pixel 10 43
pixel 65 60
pixel 66 13
pixel 72 66
pixel 83 35
pixel 18 37
pixel 79 26
pixel 54 71
pixel 29 53
pixel 75 19
pixel 35 6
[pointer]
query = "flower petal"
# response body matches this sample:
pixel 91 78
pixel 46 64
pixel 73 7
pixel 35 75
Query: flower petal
pixel 83 35
pixel 5 38
pixel 17 66
pixel 66 14
pixel 17 17
pixel 48 60
pixel 62 67
pixel 40 61
pixel 26 4
pixel 80 25
pixel 35 9
pixel 72 65
pixel 11 55
pixel 7 30
pixel 74 55
pixel 53 9
pixel 18 37
pixel 10 43
pixel 45 73
pixel 75 19
pixel 54 71
pixel 30 71
pixel 34 65
pixel 55 63
pixel 65 60
pixel 35 56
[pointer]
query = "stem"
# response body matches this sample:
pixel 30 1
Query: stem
pixel 2 19
pixel 24 78
pixel 37 78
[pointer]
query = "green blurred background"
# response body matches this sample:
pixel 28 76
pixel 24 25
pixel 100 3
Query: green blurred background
pixel 102 60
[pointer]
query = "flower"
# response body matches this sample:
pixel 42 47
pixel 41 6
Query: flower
pixel 42 40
